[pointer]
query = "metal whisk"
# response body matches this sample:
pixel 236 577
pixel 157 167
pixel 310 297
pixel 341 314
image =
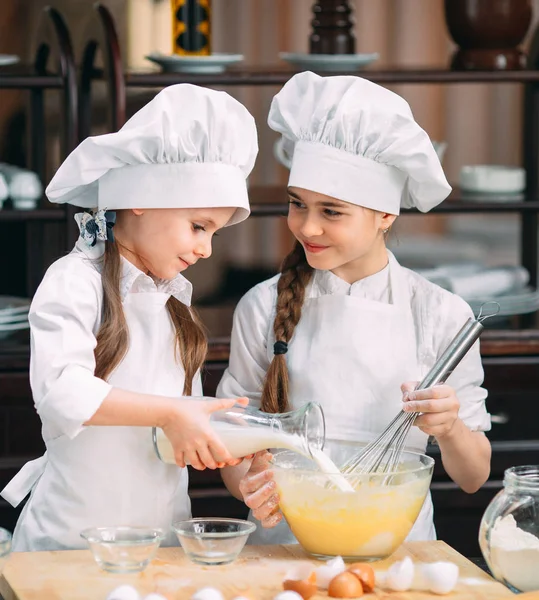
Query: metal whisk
pixel 383 454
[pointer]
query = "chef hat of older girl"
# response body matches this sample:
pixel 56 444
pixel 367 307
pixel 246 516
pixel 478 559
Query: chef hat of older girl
pixel 189 147
pixel 356 141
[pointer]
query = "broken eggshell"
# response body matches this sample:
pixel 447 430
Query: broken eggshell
pixel 365 574
pixel 329 571
pixel 288 595
pixel 345 585
pixel 400 575
pixel 124 592
pixel 439 577
pixel 301 579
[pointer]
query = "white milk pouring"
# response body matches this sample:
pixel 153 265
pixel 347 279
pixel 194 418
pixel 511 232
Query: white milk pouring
pixel 244 440
pixel 239 440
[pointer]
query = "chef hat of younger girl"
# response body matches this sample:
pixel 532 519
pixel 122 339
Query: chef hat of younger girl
pixel 189 147
pixel 356 141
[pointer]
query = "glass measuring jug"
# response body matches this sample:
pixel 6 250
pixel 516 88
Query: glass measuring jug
pixel 245 430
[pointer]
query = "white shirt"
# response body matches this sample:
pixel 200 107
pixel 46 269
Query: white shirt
pixel 437 314
pixel 65 317
pixel 97 475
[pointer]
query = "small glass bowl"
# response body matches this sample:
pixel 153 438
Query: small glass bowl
pixel 213 541
pixel 5 547
pixel 123 549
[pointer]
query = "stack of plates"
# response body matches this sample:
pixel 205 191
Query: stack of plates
pixel 518 302
pixel 13 315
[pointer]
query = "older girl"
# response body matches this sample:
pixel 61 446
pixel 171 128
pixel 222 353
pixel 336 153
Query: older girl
pixel 344 324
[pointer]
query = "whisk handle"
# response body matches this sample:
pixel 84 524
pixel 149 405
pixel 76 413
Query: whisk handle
pixel 453 354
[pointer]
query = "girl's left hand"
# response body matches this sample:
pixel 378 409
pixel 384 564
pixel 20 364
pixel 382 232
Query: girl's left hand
pixel 439 404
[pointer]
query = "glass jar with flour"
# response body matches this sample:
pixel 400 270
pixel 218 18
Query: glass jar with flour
pixel 245 430
pixel 509 531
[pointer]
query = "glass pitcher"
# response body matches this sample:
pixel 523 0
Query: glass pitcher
pixel 509 531
pixel 245 430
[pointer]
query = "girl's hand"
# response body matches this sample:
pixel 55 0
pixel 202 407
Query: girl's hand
pixel 193 438
pixel 258 490
pixel 439 405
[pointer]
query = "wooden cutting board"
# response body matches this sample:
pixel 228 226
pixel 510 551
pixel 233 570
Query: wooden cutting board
pixel 257 574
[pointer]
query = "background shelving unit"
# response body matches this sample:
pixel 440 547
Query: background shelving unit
pixel 38 79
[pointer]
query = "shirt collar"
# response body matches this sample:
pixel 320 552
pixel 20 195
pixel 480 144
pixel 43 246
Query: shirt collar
pixel 133 280
pixel 375 287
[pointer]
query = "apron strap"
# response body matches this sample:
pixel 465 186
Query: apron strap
pixel 21 485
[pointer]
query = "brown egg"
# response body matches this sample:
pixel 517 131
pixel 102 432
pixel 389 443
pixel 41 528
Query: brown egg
pixel 304 587
pixel 365 574
pixel 345 585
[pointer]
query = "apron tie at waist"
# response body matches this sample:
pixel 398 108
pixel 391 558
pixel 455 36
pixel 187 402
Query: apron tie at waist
pixel 21 485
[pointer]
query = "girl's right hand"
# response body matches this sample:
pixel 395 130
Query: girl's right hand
pixel 258 490
pixel 193 438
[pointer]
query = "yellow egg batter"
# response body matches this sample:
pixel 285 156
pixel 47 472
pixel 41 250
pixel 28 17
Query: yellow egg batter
pixel 371 522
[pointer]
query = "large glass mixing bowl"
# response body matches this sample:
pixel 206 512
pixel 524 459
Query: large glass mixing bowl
pixel 368 523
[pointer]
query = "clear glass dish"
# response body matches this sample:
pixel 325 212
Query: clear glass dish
pixel 209 541
pixel 368 523
pixel 123 549
pixel 509 530
pixel 5 547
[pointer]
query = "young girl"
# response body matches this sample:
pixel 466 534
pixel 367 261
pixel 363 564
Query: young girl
pixel 344 324
pixel 115 348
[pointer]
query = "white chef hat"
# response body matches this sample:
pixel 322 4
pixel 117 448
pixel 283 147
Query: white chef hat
pixel 356 141
pixel 189 147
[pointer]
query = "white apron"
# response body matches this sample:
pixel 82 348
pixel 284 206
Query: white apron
pixel 351 355
pixel 108 476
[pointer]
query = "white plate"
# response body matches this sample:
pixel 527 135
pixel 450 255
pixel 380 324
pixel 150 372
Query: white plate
pixel 8 59
pixel 11 305
pixel 7 330
pixel 214 63
pixel 493 179
pixel 14 326
pixel 11 319
pixel 328 62
pixel 515 303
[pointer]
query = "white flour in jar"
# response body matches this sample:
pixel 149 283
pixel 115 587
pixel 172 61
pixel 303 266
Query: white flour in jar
pixel 514 554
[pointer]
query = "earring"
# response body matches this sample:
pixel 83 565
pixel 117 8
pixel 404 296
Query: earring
pixel 384 231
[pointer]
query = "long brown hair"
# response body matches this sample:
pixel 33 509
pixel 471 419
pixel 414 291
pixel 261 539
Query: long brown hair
pixel 113 335
pixel 295 275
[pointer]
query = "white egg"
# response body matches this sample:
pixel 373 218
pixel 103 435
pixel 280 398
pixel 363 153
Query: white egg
pixel 207 593
pixel 288 595
pixel 154 596
pixel 440 577
pixel 124 592
pixel 400 575
pixel 327 572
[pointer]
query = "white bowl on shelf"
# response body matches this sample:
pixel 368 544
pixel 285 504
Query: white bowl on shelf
pixel 492 179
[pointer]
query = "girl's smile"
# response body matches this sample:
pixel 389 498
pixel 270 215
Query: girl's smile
pixel 313 248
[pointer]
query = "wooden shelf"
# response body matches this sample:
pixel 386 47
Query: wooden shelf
pixel 40 214
pixel 493 344
pixel 273 201
pixel 280 74
pixel 17 77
